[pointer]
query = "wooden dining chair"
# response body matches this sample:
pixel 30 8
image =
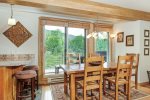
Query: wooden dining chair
pixel 91 81
pixel 122 77
pixel 73 58
pixel 93 55
pixel 135 67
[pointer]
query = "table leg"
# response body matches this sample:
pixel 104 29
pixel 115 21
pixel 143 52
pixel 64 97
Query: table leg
pixel 65 83
pixel 72 88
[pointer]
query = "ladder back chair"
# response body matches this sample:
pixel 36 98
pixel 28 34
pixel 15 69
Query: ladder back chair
pixel 135 67
pixel 73 58
pixel 122 77
pixel 93 55
pixel 91 81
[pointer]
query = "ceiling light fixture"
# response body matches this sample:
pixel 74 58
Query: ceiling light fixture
pixel 112 35
pixel 11 20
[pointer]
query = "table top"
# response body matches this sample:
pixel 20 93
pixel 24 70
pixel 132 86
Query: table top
pixel 78 68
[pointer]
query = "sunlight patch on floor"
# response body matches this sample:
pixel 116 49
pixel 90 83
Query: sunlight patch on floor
pixel 47 93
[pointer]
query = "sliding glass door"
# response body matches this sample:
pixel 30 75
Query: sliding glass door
pixel 102 45
pixel 54 47
pixel 76 41
pixel 58 42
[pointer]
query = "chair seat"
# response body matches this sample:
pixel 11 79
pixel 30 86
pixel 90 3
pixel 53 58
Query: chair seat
pixel 32 67
pixel 113 80
pixel 27 74
pixel 79 76
pixel 90 84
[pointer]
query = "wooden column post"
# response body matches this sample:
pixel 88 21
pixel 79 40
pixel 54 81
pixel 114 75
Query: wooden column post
pixel 90 41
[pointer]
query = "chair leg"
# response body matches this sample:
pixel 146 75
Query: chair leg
pixel 136 81
pixel 128 93
pixel 104 86
pixel 116 92
pixel 17 90
pixel 37 83
pixel 100 94
pixel 32 88
pixel 84 95
pixel 65 83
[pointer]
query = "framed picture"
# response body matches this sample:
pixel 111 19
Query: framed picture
pixel 130 40
pixel 146 51
pixel 120 36
pixel 146 42
pixel 146 33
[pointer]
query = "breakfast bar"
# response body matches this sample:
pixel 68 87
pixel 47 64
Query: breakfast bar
pixel 7 79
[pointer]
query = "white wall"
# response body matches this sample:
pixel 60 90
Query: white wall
pixel 144 60
pixel 135 28
pixel 30 21
pixel 129 28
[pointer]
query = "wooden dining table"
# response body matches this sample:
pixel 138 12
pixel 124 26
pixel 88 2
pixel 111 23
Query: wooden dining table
pixel 77 69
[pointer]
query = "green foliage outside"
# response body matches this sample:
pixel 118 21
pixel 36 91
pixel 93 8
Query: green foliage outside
pixel 54 43
pixel 77 45
pixel 101 44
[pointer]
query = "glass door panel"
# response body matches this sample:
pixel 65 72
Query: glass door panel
pixel 102 45
pixel 76 41
pixel 54 47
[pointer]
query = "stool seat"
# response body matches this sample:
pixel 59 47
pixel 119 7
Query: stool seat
pixel 27 74
pixel 32 67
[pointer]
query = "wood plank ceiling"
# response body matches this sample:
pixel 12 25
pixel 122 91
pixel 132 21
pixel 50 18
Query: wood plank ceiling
pixel 85 9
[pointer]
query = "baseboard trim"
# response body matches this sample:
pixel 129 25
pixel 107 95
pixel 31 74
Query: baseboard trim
pixel 143 83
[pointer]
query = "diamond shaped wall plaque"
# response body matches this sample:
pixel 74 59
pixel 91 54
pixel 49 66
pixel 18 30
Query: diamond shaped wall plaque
pixel 17 34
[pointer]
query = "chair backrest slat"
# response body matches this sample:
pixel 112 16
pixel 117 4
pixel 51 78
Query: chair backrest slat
pixel 93 55
pixel 93 78
pixel 135 59
pixel 124 67
pixel 94 69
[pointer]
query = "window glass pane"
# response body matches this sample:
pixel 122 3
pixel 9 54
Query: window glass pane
pixel 76 40
pixel 54 47
pixel 102 44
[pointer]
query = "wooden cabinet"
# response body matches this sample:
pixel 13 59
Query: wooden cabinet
pixel 8 82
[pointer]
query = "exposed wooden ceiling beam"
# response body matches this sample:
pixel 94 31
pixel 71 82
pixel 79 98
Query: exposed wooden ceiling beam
pixel 84 8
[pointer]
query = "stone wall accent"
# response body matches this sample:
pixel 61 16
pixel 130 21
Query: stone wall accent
pixel 16 57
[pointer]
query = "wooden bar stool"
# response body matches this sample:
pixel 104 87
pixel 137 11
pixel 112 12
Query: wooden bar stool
pixel 35 68
pixel 23 77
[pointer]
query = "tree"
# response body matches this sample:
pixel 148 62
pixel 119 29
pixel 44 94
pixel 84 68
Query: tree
pixel 77 45
pixel 101 44
pixel 54 41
